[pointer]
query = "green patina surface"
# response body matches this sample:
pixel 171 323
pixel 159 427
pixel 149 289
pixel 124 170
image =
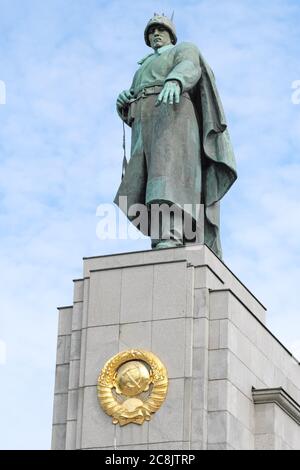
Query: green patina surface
pixel 181 151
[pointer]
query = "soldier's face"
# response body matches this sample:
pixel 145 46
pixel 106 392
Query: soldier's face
pixel 159 36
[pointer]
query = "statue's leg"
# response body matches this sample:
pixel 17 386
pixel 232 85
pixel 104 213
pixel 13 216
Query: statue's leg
pixel 172 147
pixel 168 223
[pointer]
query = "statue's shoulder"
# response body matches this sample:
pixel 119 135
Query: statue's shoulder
pixel 192 49
pixel 141 61
pixel 186 47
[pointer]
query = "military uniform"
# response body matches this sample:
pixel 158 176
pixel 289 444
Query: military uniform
pixel 175 148
pixel 165 145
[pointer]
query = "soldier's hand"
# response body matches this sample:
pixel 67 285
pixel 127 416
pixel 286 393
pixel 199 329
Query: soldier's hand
pixel 170 93
pixel 124 98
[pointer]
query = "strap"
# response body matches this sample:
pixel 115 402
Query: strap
pixel 124 166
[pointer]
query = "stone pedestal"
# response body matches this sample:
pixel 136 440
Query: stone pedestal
pixel 232 384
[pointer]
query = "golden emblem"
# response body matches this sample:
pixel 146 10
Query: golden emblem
pixel 132 385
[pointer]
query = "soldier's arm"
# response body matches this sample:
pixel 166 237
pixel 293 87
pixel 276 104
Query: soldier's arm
pixel 187 69
pixel 183 76
pixel 124 98
pixel 123 102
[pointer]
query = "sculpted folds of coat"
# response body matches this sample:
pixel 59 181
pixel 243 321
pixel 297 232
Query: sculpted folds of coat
pixel 180 152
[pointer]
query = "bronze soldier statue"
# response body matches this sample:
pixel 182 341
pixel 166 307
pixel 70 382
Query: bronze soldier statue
pixel 181 153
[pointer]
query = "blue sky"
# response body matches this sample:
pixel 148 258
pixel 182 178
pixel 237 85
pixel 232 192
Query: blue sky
pixel 63 63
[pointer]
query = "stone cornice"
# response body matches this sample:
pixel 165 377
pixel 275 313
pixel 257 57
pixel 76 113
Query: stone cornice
pixel 281 398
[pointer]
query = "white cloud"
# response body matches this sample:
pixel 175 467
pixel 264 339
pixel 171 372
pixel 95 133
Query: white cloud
pixel 3 352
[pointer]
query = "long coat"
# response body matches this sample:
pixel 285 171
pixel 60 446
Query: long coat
pixel 180 153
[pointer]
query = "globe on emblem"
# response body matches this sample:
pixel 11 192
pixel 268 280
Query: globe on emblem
pixel 129 374
pixel 132 378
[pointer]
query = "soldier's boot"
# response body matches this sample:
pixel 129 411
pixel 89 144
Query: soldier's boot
pixel 171 232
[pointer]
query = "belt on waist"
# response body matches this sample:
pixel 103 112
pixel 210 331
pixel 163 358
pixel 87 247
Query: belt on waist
pixel 155 90
pixel 150 90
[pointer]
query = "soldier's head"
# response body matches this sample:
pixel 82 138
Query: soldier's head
pixel 160 31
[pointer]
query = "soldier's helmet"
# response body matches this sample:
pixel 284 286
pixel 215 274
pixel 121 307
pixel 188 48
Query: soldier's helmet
pixel 161 20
